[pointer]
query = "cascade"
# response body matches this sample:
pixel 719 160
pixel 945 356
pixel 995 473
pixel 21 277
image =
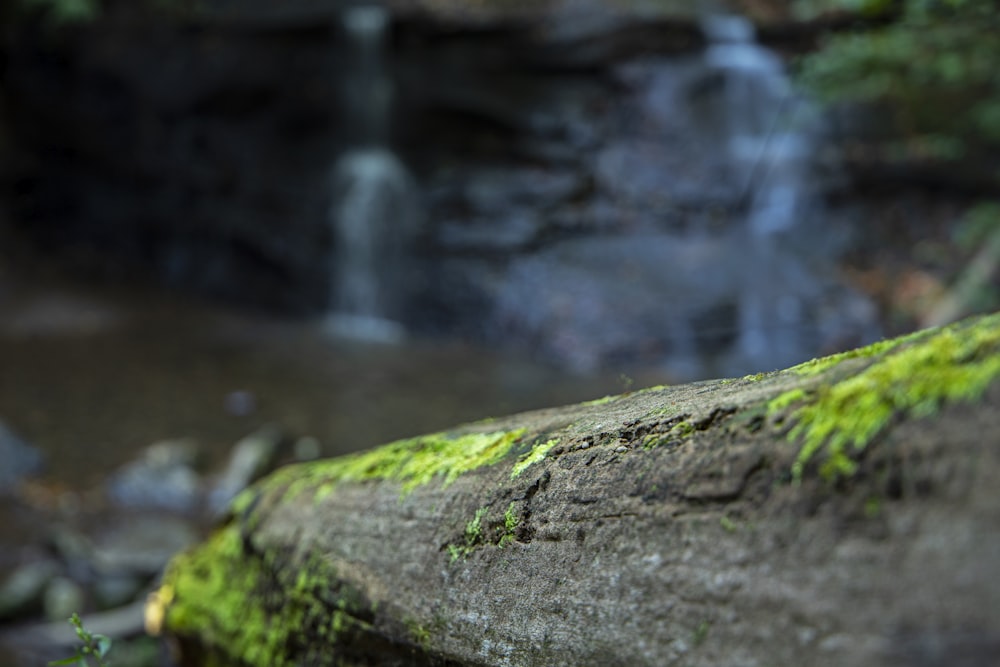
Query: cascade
pixel 769 149
pixel 372 198
pixel 769 152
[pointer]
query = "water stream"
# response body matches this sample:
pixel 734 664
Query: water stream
pixel 373 205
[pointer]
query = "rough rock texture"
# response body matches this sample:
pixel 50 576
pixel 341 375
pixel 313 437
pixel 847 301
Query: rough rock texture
pixel 200 153
pixel 674 525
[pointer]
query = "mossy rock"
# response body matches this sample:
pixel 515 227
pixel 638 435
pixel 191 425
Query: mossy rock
pixel 839 512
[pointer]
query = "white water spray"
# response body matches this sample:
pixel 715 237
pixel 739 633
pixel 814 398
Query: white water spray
pixel 769 150
pixel 372 209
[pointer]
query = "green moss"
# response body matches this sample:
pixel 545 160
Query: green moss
pixel 472 537
pixel 786 399
pixel 510 523
pixel 914 377
pixel 537 453
pixel 601 401
pixel 679 431
pixel 700 633
pixel 421 635
pixel 244 609
pixel 412 462
pixel 817 366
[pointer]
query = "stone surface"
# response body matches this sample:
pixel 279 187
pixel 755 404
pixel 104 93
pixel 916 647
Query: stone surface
pixel 19 459
pixel 657 527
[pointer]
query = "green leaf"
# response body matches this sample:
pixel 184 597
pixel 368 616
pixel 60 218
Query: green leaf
pixel 74 660
pixel 103 645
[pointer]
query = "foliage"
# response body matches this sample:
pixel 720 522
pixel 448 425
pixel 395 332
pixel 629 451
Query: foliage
pixel 94 645
pixel 64 11
pixel 933 69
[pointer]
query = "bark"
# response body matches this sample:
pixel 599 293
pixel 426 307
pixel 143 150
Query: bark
pixel 666 526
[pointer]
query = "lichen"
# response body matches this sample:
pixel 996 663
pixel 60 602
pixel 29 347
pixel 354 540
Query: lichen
pixel 911 376
pixel 537 453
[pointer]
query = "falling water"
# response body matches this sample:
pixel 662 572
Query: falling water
pixel 769 151
pixel 372 209
pixel 768 148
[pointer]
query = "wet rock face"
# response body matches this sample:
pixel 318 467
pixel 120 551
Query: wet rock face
pixel 192 155
pixel 651 207
pixel 203 156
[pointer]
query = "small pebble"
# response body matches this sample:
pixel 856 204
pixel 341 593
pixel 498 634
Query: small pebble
pixel 307 448
pixel 621 448
pixel 24 588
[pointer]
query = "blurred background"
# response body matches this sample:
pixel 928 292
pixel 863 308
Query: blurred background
pixel 237 233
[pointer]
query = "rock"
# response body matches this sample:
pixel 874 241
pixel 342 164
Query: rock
pixel 138 544
pixel 672 525
pixel 63 598
pixel 688 304
pixel 307 448
pixel 251 457
pixel 19 459
pixel 113 590
pixel 23 590
pixel 163 478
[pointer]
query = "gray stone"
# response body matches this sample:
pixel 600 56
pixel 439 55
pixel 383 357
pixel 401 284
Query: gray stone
pixel 19 459
pixel 161 479
pixel 22 591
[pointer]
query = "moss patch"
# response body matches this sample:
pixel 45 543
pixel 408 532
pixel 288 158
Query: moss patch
pixel 912 376
pixel 510 524
pixel 537 453
pixel 472 537
pixel 680 431
pixel 412 462
pixel 243 610
pixel 817 366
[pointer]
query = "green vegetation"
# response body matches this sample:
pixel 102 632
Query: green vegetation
pixel 64 11
pixel 817 366
pixel 93 646
pixel 244 609
pixel 420 634
pixel 925 74
pixel 472 537
pixel 475 534
pixel 679 431
pixel 914 376
pixel 412 462
pixel 700 633
pixel 932 71
pixel 510 523
pixel 537 453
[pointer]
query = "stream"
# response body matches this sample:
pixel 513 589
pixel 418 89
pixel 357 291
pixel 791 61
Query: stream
pixel 92 375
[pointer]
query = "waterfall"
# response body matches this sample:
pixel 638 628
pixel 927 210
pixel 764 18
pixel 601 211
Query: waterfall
pixel 768 148
pixel 769 152
pixel 372 197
